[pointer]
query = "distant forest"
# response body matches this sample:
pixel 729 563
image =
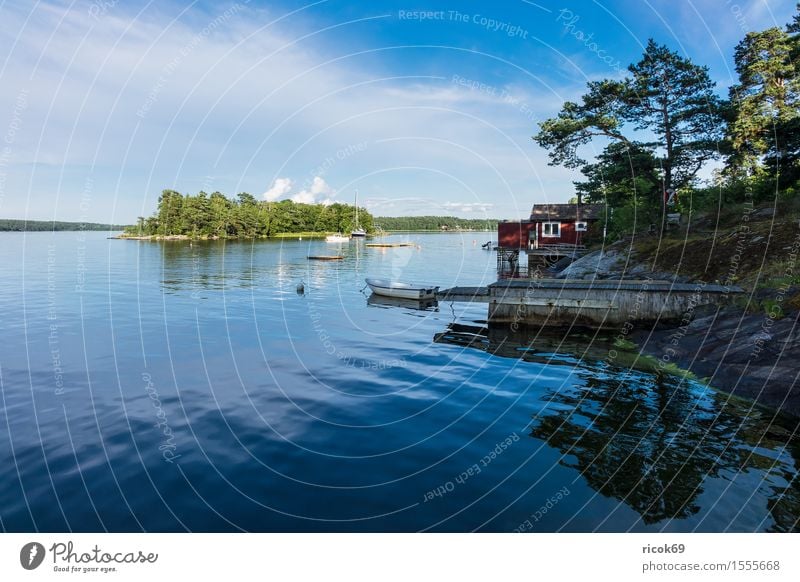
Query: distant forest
pixel 10 224
pixel 215 216
pixel 434 223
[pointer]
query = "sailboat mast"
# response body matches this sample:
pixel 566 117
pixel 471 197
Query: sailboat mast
pixel 357 230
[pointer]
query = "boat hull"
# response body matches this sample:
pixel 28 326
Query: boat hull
pixel 401 290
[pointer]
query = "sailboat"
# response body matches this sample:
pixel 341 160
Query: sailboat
pixel 358 232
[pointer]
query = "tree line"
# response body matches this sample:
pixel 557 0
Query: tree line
pixel 664 122
pixel 216 216
pixel 437 223
pixel 18 225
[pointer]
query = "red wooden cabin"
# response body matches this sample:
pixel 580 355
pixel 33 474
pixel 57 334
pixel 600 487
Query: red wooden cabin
pixel 549 225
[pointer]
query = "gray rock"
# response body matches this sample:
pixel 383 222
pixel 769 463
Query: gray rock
pixel 764 212
pixel 597 264
pixel 760 337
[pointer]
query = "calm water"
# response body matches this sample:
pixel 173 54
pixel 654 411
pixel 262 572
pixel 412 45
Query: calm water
pixel 171 387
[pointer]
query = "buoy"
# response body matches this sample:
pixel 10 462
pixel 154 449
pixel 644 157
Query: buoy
pixel 301 288
pixel 300 238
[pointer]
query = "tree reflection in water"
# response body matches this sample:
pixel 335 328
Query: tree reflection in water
pixel 651 441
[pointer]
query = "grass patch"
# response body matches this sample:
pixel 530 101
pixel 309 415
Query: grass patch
pixel 626 345
pixel 773 309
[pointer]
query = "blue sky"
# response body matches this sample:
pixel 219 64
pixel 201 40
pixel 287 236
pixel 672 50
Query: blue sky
pixel 423 107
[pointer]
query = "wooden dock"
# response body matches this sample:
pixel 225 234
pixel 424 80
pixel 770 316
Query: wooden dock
pixel 464 295
pixel 603 303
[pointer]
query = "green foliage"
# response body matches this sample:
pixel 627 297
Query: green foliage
pixel 216 216
pixel 674 99
pixel 435 223
pixel 666 96
pixel 763 132
pixel 625 176
pixel 773 308
pixel 765 101
pixel 600 114
pixel 623 344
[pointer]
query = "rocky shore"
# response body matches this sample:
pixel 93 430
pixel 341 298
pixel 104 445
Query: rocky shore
pixel 752 356
pixel 749 348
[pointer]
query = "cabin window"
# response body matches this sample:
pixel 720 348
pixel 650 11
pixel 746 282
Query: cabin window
pixel 551 229
pixel 581 227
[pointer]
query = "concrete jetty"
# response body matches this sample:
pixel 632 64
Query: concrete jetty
pixel 595 304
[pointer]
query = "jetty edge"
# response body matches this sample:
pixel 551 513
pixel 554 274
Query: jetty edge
pixel 597 304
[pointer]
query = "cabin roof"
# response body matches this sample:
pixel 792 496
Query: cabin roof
pixel 566 212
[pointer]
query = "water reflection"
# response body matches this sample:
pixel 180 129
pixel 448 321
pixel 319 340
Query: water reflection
pixel 541 346
pixel 656 443
pixel 199 266
pixel 195 267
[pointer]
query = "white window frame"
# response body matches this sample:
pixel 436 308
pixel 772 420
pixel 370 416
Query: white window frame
pixel 581 226
pixel 551 235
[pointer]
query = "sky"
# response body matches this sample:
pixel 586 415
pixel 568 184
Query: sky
pixel 420 107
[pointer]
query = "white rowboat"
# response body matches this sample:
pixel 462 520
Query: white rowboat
pixel 401 290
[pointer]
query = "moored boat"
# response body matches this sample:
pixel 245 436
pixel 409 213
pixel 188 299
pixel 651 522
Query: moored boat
pixel 357 232
pixel 399 290
pixel 337 238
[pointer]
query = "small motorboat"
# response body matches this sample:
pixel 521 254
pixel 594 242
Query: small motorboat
pixel 337 238
pixel 401 290
pixel 325 257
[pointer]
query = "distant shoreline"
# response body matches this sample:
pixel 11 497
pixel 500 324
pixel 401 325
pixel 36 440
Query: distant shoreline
pixel 21 225
pixel 283 235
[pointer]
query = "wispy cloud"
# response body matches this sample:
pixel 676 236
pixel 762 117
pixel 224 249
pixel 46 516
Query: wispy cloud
pixel 142 102
pixel 233 97
pixel 468 207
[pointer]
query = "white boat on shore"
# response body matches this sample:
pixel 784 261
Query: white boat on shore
pixel 337 238
pixel 399 290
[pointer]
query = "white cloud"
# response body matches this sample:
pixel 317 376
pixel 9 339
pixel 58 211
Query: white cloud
pixel 279 188
pixel 468 206
pixel 320 192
